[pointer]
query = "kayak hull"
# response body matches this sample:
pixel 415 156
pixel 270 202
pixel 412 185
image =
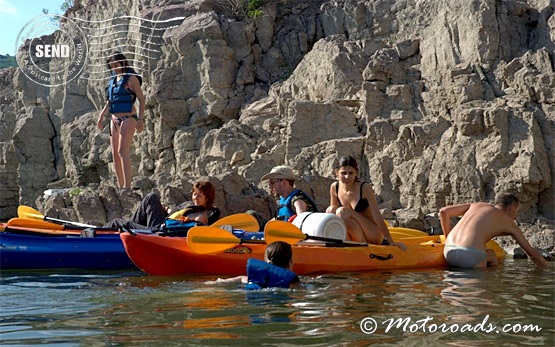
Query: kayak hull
pixel 157 255
pixel 35 251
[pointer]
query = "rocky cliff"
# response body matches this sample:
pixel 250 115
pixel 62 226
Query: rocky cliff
pixel 441 102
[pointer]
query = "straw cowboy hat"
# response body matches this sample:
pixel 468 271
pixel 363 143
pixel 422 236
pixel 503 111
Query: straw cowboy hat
pixel 279 172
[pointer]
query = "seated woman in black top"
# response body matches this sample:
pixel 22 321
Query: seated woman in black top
pixel 356 204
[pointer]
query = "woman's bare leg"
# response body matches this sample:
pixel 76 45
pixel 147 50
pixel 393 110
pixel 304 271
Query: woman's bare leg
pixel 127 130
pixel 359 228
pixel 369 228
pixel 115 142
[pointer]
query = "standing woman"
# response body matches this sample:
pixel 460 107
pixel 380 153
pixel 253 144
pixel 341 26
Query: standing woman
pixel 123 89
pixel 356 204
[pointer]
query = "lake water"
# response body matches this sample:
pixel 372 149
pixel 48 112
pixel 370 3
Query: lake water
pixel 438 307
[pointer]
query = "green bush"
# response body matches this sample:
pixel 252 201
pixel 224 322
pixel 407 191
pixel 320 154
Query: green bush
pixel 254 8
pixel 243 8
pixel 7 61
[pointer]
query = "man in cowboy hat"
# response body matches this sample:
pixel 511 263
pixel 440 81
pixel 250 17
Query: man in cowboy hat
pixel 281 181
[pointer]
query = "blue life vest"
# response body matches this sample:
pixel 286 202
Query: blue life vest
pixel 248 235
pixel 175 227
pixel 285 208
pixel 265 275
pixel 121 98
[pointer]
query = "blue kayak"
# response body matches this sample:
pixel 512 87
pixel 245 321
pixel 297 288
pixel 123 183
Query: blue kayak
pixel 35 251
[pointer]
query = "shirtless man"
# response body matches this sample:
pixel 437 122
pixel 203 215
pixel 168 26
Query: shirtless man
pixel 465 244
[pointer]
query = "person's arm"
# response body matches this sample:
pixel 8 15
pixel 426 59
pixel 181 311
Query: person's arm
pixel 368 193
pixel 334 204
pixel 201 217
pixel 447 212
pixel 242 279
pixel 300 206
pixel 135 86
pixel 536 256
pixel 102 114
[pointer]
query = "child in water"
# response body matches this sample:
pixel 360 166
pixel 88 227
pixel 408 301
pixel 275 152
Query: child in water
pixel 276 271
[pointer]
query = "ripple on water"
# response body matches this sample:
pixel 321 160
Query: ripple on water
pixel 133 309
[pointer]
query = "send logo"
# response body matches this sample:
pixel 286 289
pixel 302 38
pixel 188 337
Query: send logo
pixel 52 51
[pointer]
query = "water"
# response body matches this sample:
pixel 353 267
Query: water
pixel 132 309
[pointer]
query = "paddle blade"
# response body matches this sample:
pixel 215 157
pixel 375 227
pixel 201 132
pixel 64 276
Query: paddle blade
pixel 276 230
pixel 35 224
pixel 193 209
pixel 208 239
pixel 408 232
pixel 398 233
pixel 177 214
pixel 29 213
pixel 243 221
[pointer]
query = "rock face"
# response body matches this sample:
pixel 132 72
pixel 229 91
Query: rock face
pixel 440 101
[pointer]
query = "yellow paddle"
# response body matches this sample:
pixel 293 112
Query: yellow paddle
pixel 209 239
pixel 35 224
pixel 186 211
pixel 243 221
pixel 31 226
pixel 276 230
pixel 406 232
pixel 287 232
pixel 30 213
pixel 399 234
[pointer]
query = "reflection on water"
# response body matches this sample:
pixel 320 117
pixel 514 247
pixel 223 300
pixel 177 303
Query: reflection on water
pixel 131 309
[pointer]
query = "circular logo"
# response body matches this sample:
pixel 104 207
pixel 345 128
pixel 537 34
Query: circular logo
pixel 368 325
pixel 51 50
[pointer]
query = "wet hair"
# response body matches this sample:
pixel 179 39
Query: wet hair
pixel 119 58
pixel 208 190
pixel 347 161
pixel 279 253
pixel 507 200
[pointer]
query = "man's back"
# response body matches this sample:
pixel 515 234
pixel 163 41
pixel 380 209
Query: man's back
pixel 479 224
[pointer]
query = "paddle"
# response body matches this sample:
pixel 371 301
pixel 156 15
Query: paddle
pixel 407 232
pixel 276 230
pixel 30 213
pixel 243 221
pixel 209 239
pixel 35 224
pixel 46 227
pixel 192 209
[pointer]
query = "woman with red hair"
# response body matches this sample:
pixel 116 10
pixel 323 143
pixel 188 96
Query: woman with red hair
pixel 151 213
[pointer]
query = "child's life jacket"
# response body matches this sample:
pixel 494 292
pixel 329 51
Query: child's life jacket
pixel 264 275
